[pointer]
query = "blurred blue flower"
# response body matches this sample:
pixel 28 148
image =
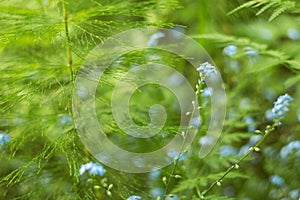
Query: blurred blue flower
pixel 227 150
pixel 269 115
pixel 157 192
pixel 254 139
pixel 196 122
pixel 277 180
pixel 250 51
pixel 154 38
pixel 245 103
pixel 64 119
pixel 289 148
pixel 230 50
pixel 206 69
pixel 294 194
pixel 299 117
pixel 206 140
pixel 154 175
pixel 174 154
pixel 207 91
pixel 4 138
pixel 251 123
pixel 172 197
pixel 281 106
pixel 92 168
pixel 134 197
pixel 293 34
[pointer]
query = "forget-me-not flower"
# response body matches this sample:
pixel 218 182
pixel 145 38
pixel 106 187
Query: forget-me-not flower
pixel 281 106
pixel 134 197
pixel 293 34
pixel 206 69
pixel 92 168
pixel 230 50
pixel 4 138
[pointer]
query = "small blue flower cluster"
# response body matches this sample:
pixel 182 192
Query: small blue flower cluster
pixel 134 197
pixel 4 138
pixel 93 168
pixel 281 106
pixel 206 69
pixel 230 50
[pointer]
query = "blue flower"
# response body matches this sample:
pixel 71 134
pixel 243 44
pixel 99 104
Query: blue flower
pixel 157 192
pixel 64 119
pixel 134 197
pixel 293 34
pixel 277 180
pixel 281 106
pixel 230 50
pixel 227 150
pixel 206 69
pixel 154 38
pixel 207 92
pixel 250 51
pixel 174 154
pixel 251 123
pixel 93 168
pixel 288 149
pixel 4 138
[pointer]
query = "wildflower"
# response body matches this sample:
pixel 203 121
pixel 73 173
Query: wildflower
pixel 134 197
pixel 250 51
pixel 154 38
pixel 281 106
pixel 93 168
pixel 206 140
pixel 277 180
pixel 293 146
pixel 154 175
pixel 64 119
pixel 293 34
pixel 230 50
pixel 157 192
pixel 174 155
pixel 206 69
pixel 227 150
pixel 251 123
pixel 207 92
pixel 4 138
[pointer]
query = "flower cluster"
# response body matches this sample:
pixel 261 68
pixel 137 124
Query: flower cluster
pixel 4 138
pixel 206 69
pixel 281 106
pixel 134 197
pixel 93 168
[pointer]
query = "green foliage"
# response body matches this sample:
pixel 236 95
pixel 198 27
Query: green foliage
pixel 278 6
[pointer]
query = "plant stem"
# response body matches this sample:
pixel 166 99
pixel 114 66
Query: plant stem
pixel 268 130
pixel 176 160
pixel 68 43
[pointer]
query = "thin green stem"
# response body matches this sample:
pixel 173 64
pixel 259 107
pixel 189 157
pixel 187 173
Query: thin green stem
pixel 68 43
pixel 268 130
pixel 176 160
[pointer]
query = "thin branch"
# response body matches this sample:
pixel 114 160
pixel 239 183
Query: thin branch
pixel 68 43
